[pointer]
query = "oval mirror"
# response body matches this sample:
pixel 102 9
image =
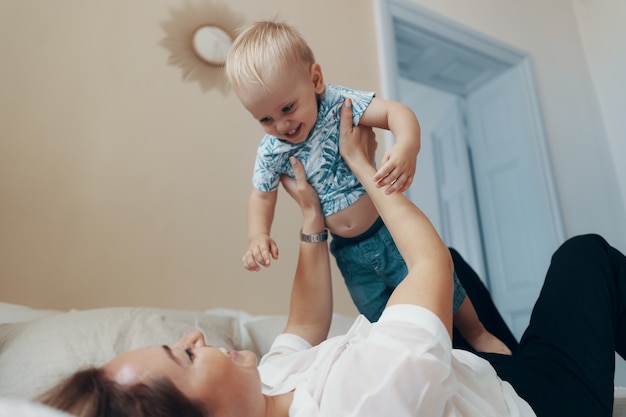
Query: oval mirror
pixel 211 44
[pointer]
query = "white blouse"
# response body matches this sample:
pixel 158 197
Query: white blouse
pixel 401 366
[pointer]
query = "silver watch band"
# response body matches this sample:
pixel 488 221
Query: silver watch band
pixel 314 238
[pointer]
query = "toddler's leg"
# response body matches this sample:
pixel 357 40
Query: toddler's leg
pixel 475 333
pixel 485 309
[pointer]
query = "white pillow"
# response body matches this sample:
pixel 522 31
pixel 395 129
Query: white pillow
pixel 13 313
pixel 40 347
pixel 36 354
pixel 262 330
pixel 11 407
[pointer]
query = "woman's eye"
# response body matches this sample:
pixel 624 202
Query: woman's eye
pixel 189 354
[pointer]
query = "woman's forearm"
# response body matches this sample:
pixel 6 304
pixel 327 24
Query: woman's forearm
pixel 311 306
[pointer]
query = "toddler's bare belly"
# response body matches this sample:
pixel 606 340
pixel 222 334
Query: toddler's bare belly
pixel 353 220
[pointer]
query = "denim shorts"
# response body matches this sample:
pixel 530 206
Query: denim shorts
pixel 372 268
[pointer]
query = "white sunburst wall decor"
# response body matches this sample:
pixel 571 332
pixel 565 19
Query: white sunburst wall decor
pixel 199 34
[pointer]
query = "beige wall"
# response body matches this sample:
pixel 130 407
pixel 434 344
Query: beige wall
pixel 603 33
pixel 120 184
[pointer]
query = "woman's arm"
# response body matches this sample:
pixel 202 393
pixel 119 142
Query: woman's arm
pixel 429 280
pixel 311 306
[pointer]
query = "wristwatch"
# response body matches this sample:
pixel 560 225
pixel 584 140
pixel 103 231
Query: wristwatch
pixel 314 238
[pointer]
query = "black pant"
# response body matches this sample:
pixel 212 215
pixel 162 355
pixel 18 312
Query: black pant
pixel 564 364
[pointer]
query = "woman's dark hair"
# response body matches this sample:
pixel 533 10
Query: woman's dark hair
pixel 89 393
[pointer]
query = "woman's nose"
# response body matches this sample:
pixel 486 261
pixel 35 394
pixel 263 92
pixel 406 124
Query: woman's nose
pixel 194 339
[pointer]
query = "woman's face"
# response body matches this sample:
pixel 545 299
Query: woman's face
pixel 217 377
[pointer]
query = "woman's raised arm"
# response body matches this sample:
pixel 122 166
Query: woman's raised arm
pixel 429 282
pixel 311 306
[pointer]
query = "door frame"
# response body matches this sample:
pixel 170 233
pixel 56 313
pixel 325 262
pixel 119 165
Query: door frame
pixel 442 29
pixel 428 21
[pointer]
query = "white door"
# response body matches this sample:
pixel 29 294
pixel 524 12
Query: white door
pixel 460 227
pixel 443 186
pixel 516 203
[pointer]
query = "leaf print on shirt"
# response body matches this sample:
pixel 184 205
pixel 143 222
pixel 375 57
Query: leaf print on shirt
pixel 326 171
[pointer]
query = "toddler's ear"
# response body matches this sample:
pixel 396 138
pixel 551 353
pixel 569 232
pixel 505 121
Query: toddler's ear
pixel 317 78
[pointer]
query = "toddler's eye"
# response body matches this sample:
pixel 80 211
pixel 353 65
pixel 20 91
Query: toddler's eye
pixel 287 108
pixel 189 354
pixel 265 120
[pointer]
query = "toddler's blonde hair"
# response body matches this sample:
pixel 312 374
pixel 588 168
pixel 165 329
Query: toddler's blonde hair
pixel 264 48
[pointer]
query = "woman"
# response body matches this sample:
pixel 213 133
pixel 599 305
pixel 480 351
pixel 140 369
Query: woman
pixel 402 365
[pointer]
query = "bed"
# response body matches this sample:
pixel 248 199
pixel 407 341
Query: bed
pixel 38 347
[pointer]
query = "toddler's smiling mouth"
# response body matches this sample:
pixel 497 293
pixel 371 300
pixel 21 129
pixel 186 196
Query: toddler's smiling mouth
pixel 293 133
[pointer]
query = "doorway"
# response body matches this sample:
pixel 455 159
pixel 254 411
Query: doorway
pixel 484 175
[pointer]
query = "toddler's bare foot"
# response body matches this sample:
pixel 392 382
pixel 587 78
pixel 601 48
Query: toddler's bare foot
pixel 488 343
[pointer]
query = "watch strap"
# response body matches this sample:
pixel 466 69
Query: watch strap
pixel 315 237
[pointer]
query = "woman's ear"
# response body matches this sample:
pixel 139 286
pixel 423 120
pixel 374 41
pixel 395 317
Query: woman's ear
pixel 317 78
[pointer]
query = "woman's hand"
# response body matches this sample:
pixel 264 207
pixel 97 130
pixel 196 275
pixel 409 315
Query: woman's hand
pixel 303 193
pixel 299 189
pixel 356 143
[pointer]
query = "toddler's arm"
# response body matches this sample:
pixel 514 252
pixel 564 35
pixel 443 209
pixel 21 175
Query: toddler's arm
pixel 261 247
pixel 397 166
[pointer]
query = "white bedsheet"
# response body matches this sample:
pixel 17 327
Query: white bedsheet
pixel 38 347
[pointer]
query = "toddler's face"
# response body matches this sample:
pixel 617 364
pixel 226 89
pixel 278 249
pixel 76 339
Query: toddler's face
pixel 287 108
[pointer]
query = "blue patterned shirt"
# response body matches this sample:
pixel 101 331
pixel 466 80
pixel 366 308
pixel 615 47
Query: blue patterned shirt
pixel 326 170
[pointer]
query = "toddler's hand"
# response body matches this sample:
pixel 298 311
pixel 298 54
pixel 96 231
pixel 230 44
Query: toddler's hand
pixel 397 168
pixel 261 249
